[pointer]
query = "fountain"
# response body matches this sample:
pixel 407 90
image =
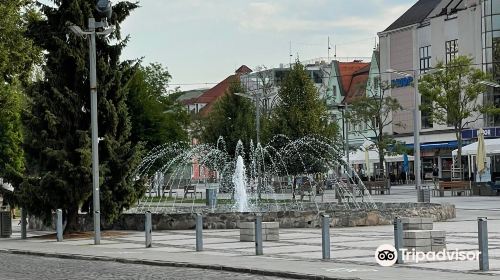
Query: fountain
pixel 240 186
pixel 260 180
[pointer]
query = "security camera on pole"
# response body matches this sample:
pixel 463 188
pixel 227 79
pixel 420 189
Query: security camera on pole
pixel 105 10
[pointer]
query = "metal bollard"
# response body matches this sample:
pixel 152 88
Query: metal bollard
pixel 325 236
pixel 97 228
pixel 59 225
pixel 211 198
pixel 199 232
pixel 148 230
pixel 258 235
pixel 484 262
pixel 398 238
pixel 24 216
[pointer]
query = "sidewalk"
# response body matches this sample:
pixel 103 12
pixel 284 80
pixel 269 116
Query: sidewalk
pixel 133 253
pixel 297 254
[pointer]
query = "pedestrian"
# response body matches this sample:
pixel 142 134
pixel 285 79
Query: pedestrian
pixel 435 176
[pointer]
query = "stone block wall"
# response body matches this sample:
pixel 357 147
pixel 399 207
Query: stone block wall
pixel 308 218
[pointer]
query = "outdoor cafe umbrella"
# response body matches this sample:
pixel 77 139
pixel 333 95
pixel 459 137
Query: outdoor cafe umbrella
pixel 481 152
pixel 406 163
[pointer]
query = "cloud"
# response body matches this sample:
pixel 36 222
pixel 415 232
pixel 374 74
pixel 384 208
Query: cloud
pixel 271 17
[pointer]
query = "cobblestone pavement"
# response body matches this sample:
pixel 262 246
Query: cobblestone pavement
pixel 24 267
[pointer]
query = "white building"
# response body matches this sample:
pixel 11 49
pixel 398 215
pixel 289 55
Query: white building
pixel 337 81
pixel 431 31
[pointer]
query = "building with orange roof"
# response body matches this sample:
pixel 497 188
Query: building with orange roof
pixel 338 81
pixel 201 103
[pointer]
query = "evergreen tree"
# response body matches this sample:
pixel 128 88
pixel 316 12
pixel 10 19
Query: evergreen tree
pixel 300 112
pixel 233 118
pixel 17 57
pixel 58 137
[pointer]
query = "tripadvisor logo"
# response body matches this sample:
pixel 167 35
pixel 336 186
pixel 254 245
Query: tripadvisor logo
pixel 387 255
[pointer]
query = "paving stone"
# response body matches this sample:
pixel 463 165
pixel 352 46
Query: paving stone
pixel 58 269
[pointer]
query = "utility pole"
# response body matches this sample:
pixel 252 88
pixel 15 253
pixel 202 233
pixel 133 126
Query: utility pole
pixel 104 8
pixel 95 138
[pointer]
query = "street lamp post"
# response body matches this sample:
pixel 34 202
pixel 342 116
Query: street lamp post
pixel 416 136
pixel 345 131
pixel 104 8
pixel 416 124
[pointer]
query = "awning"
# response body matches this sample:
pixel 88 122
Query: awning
pixel 492 147
pixel 359 157
pixel 436 145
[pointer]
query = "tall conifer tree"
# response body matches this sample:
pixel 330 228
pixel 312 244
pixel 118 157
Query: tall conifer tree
pixel 58 136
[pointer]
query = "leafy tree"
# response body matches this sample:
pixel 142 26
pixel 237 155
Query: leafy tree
pixel 373 111
pixel 17 57
pixel 58 137
pixel 233 118
pixel 299 112
pixel 453 96
pixel 156 117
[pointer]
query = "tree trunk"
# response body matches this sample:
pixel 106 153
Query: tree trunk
pixel 71 220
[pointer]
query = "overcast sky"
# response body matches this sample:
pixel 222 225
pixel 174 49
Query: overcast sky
pixel 204 41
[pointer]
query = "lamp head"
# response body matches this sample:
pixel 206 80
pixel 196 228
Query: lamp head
pixel 104 8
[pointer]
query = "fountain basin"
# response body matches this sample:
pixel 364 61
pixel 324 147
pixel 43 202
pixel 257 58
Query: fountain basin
pixel 308 217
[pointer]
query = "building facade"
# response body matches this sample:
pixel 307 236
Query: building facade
pixel 338 82
pixel 432 31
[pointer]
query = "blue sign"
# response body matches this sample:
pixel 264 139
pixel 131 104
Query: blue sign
pixel 490 132
pixel 402 82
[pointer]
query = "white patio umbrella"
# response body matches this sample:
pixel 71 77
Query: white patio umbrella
pixel 481 152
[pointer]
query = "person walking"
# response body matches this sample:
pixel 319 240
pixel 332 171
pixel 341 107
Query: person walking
pixel 435 175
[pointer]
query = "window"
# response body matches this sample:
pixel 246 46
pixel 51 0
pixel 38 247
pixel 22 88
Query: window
pixel 451 48
pixel 426 117
pixel 425 59
pixel 330 97
pixel 316 76
pixel 493 97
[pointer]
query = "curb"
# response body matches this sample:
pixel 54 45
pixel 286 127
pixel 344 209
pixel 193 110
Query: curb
pixel 262 272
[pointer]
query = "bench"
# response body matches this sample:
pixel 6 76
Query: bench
pixel 306 189
pixel 377 187
pixel 348 192
pixel 191 189
pixel 456 188
pixel 167 189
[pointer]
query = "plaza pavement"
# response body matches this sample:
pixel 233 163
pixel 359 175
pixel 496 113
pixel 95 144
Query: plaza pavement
pixel 298 253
